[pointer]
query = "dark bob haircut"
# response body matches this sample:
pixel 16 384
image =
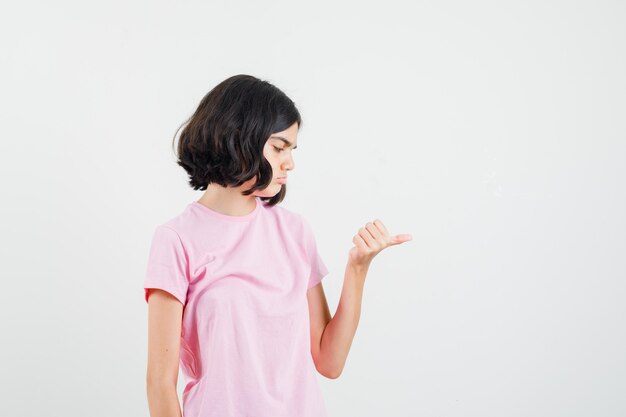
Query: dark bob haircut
pixel 222 142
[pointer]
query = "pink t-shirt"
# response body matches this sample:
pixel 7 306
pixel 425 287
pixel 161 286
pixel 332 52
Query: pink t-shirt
pixel 245 341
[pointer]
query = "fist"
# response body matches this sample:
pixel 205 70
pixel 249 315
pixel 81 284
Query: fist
pixel 372 239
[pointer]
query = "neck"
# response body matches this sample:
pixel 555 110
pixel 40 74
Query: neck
pixel 228 201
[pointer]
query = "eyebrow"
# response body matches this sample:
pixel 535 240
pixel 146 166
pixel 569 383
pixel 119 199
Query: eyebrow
pixel 284 140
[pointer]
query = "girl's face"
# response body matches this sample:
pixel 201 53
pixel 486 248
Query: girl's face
pixel 278 152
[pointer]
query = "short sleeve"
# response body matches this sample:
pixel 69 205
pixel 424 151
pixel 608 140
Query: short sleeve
pixel 167 264
pixel 318 267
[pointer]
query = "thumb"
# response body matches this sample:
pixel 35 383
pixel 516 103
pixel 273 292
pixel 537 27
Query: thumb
pixel 397 239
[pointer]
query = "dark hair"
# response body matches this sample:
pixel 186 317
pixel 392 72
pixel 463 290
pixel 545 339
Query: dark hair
pixel 223 139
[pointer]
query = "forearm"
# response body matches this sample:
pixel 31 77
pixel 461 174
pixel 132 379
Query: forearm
pixel 340 330
pixel 163 400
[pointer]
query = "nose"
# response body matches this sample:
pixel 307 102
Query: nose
pixel 288 164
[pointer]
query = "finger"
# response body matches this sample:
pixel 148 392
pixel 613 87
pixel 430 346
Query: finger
pixel 381 226
pixel 367 237
pixel 373 229
pixel 359 242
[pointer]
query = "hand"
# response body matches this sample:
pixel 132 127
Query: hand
pixel 370 240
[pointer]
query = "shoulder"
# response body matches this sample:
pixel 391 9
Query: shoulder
pixel 176 226
pixel 286 215
pixel 164 235
pixel 298 225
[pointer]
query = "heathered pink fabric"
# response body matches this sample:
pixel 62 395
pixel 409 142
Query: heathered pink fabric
pixel 245 341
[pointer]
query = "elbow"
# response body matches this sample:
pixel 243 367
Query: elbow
pixel 329 373
pixel 332 375
pixel 328 366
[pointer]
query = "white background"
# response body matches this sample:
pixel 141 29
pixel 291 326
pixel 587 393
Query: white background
pixel 493 132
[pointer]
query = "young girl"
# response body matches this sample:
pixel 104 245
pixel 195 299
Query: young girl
pixel 233 282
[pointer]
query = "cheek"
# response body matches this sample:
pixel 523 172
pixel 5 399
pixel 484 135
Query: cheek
pixel 271 158
pixel 274 160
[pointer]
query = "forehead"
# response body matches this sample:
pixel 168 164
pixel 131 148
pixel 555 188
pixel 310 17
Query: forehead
pixel 284 139
pixel 287 136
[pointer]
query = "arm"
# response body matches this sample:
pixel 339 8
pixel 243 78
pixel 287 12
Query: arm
pixel 331 338
pixel 164 327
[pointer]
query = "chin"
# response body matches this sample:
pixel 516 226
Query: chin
pixel 269 191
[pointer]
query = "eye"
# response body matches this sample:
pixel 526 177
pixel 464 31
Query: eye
pixel 278 149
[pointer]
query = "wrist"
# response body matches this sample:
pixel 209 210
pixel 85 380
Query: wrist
pixel 358 267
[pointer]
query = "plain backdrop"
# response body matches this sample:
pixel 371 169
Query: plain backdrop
pixel 492 131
